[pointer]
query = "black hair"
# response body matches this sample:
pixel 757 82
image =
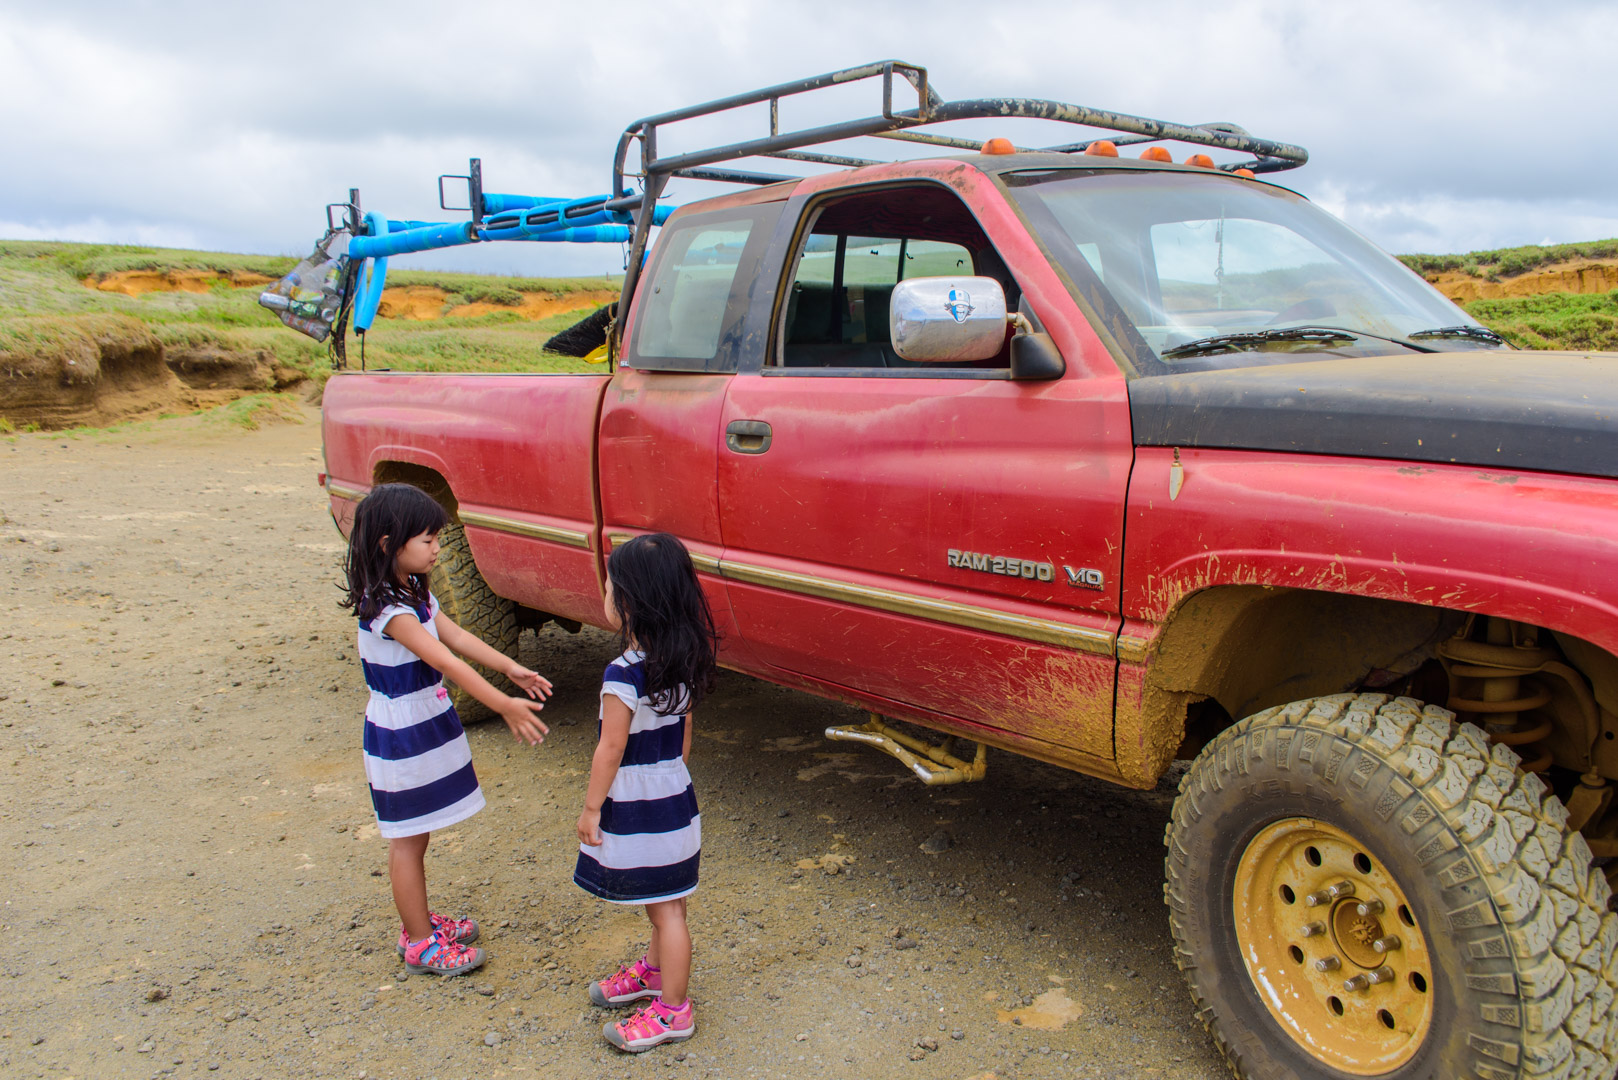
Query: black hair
pixel 386 520
pixel 663 613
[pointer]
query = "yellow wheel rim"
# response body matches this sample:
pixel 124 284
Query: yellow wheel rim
pixel 1332 946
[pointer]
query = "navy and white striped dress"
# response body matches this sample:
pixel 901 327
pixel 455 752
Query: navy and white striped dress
pixel 416 757
pixel 651 833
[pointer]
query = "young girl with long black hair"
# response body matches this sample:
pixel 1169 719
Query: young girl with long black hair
pixel 640 836
pixel 417 760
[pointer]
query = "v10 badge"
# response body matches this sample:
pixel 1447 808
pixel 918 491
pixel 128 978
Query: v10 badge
pixel 1080 577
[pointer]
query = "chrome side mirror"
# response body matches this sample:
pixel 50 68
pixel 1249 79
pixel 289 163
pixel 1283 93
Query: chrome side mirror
pixel 947 320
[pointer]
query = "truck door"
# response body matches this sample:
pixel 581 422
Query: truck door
pixel 940 539
pixel 659 435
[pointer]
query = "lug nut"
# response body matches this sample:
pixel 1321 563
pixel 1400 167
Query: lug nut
pixel 1369 907
pixel 1313 929
pixel 1356 983
pixel 1386 944
pixel 1380 975
pixel 1330 893
pixel 1328 963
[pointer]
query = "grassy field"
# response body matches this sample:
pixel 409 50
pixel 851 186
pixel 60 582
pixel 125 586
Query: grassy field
pixel 1553 320
pixel 1504 262
pixel 44 302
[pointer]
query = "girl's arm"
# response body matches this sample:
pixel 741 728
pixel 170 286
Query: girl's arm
pixel 517 713
pixel 479 651
pixel 615 718
pixel 685 751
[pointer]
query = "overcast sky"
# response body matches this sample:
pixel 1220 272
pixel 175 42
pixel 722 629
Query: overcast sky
pixel 1432 126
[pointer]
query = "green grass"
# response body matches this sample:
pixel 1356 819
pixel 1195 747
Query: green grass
pixel 1505 262
pixel 80 261
pixel 1553 320
pixel 255 410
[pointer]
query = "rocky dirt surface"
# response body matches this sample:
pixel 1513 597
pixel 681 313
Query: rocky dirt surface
pixel 194 885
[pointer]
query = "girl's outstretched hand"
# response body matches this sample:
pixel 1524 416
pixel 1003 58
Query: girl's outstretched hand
pixel 590 827
pixel 519 717
pixel 532 682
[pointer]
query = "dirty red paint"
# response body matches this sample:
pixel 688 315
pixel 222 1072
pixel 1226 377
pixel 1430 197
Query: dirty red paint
pixel 1527 546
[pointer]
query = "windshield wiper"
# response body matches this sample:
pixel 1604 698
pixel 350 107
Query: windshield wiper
pixel 1236 342
pixel 1476 333
pixel 1320 334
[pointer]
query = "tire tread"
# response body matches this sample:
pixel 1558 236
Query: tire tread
pixel 1504 824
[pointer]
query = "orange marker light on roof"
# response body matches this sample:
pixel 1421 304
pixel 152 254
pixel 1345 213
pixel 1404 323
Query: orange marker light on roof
pixel 1201 161
pixel 1102 148
pixel 1249 173
pixel 1156 153
pixel 999 146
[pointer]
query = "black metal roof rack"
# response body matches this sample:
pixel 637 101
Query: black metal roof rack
pixel 655 170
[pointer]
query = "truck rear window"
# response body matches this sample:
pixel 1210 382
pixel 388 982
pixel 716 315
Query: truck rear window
pixel 697 288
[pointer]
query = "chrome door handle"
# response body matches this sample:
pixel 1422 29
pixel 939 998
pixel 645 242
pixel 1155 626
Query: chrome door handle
pixel 747 436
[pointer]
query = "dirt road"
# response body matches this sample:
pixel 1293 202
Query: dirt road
pixel 194 883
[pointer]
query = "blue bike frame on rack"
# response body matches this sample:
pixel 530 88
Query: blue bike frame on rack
pixel 498 217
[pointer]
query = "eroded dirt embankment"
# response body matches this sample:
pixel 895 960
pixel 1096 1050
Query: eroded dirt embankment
pixel 1580 276
pixel 102 369
pixel 141 282
pixel 427 302
pixel 413 302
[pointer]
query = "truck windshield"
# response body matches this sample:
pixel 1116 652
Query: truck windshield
pixel 1194 271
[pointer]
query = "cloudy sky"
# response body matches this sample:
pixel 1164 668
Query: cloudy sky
pixel 1432 126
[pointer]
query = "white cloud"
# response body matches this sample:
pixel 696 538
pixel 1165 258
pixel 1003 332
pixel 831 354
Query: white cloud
pixel 1441 125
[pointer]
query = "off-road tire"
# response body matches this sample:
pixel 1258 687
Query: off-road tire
pixel 467 599
pixel 1516 921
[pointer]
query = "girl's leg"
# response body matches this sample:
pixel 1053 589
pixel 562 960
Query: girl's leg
pixel 408 873
pixel 671 948
pixel 653 953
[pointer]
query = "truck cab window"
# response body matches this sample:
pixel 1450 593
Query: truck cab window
pixel 697 290
pixel 856 250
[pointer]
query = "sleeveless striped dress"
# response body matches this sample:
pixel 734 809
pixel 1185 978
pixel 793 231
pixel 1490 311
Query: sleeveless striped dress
pixel 417 760
pixel 651 832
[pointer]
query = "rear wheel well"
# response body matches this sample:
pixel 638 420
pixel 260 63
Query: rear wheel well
pixel 433 483
pixel 429 480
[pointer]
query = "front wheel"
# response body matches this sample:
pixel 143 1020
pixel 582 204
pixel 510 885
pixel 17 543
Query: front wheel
pixel 469 602
pixel 1358 886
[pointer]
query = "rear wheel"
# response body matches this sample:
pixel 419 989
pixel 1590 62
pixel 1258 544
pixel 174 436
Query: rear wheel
pixel 467 599
pixel 1358 886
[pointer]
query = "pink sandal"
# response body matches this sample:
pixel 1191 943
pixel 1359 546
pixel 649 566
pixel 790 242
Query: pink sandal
pixel 630 983
pixel 461 931
pixel 652 1026
pixel 441 954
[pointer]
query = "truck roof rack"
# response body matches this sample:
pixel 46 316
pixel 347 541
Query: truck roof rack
pixel 892 123
pixel 655 169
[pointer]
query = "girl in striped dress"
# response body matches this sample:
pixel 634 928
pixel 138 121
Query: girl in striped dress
pixel 416 756
pixel 640 837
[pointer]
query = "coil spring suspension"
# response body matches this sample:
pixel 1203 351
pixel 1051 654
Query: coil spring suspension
pixel 1491 667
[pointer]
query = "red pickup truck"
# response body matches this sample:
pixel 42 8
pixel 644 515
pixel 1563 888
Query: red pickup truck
pixel 1108 461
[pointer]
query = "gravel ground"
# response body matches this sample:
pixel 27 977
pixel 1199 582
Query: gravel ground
pixel 196 886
